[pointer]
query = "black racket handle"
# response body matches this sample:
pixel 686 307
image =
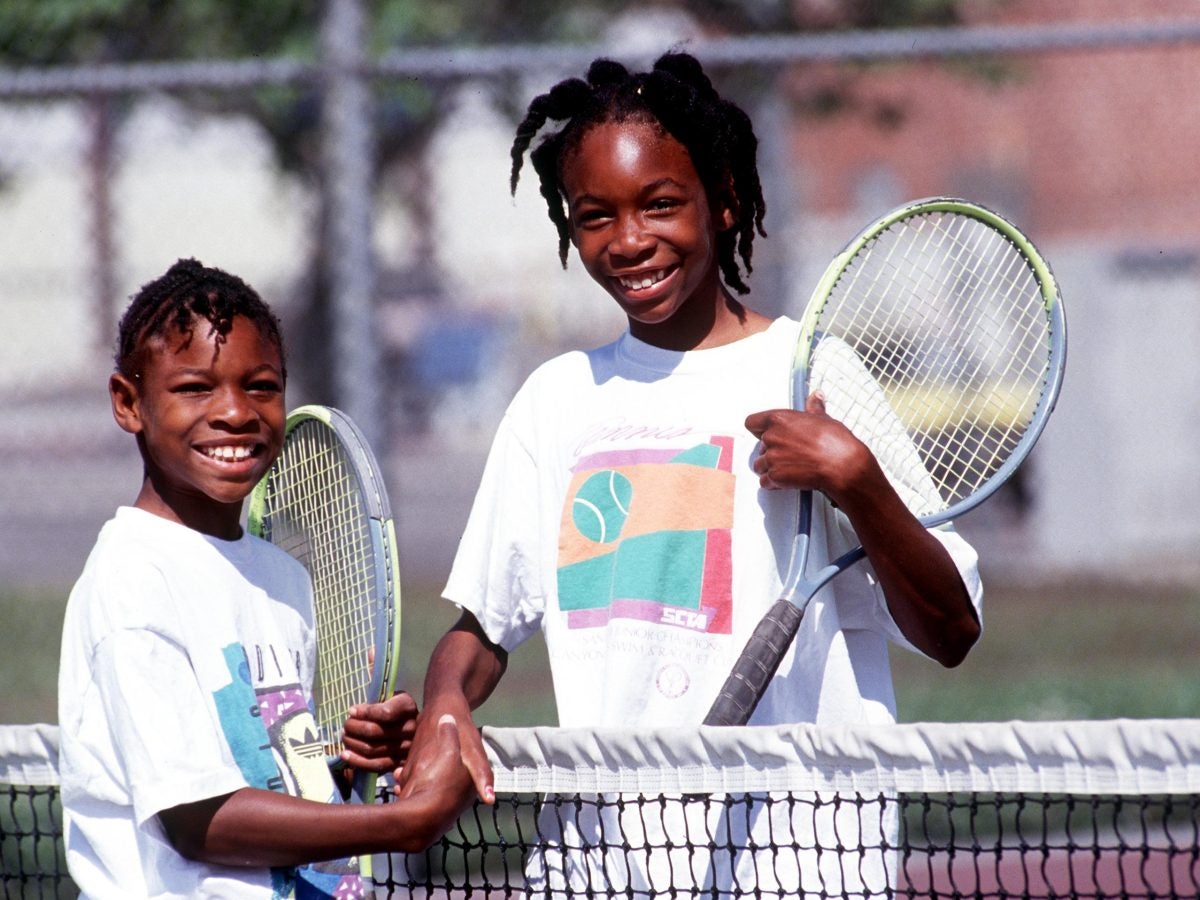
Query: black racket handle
pixel 756 666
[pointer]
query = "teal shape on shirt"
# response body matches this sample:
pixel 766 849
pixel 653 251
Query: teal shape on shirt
pixel 664 567
pixel 706 455
pixel 237 709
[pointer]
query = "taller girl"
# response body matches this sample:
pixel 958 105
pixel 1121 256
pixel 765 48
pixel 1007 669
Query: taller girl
pixel 632 506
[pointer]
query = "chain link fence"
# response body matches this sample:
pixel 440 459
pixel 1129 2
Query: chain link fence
pixel 363 191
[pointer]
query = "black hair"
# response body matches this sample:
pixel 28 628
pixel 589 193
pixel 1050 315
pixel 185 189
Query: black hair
pixel 189 291
pixel 677 96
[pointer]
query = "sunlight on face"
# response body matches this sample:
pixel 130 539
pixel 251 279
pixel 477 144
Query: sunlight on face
pixel 628 147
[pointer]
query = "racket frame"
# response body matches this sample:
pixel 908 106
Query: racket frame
pixel 808 341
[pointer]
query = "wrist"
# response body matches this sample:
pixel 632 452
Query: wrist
pixel 857 477
pixel 447 701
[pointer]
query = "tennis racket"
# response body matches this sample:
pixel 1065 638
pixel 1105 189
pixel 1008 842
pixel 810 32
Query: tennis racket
pixel 938 338
pixel 323 501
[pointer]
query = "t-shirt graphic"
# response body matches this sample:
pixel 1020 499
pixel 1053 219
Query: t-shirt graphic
pixel 274 739
pixel 645 534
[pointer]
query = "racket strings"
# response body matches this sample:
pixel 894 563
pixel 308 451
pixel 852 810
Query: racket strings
pixel 946 316
pixel 317 513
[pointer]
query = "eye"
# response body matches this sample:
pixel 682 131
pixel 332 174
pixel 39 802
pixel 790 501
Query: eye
pixel 590 220
pixel 269 386
pixel 591 217
pixel 190 387
pixel 663 205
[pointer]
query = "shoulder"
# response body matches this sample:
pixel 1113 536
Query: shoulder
pixel 265 555
pixel 133 543
pixel 127 572
pixel 561 380
pixel 568 370
pixel 282 576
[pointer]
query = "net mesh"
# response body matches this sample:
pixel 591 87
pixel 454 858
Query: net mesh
pixel 982 810
pixel 947 318
pixel 315 509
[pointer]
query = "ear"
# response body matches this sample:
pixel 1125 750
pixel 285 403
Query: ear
pixel 126 404
pixel 726 218
pixel 726 213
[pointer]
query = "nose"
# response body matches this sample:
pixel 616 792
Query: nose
pixel 631 239
pixel 233 409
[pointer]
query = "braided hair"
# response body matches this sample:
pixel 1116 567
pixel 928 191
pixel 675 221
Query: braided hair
pixel 187 292
pixel 676 96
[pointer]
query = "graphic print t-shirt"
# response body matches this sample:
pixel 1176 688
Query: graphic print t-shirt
pixel 186 673
pixel 619 512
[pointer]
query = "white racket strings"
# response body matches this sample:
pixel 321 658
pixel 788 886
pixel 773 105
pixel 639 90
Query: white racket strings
pixel 316 512
pixel 947 317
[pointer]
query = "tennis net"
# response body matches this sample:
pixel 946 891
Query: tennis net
pixel 983 810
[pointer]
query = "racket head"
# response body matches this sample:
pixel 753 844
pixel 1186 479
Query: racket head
pixel 324 503
pixel 956 321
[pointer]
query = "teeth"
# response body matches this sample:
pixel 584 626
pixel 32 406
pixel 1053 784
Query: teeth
pixel 229 454
pixel 640 282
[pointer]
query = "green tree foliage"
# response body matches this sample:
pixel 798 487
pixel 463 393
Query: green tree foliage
pixel 65 32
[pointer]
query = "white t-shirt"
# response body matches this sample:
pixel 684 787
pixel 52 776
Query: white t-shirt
pixel 618 511
pixel 186 673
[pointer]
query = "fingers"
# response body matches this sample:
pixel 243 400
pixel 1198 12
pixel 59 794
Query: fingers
pixel 448 735
pixel 397 708
pixel 756 423
pixel 371 759
pixel 454 734
pixel 378 736
pixel 481 776
pixel 791 453
pixel 474 758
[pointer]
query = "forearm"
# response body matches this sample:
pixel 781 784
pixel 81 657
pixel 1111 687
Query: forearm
pixel 260 828
pixel 925 593
pixel 464 669
pixel 923 587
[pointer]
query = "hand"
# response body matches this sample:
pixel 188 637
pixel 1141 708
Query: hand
pixel 807 450
pixel 379 736
pixel 437 791
pixel 426 744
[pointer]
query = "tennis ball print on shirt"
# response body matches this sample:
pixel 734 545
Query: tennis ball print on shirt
pixel 645 534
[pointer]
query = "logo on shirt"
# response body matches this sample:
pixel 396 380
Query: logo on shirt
pixel 646 534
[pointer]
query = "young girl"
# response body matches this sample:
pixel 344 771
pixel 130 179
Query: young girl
pixel 189 763
pixel 639 501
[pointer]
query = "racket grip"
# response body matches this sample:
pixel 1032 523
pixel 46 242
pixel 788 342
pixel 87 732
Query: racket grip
pixel 756 666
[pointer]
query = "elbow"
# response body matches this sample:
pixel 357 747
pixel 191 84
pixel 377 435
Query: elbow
pixel 952 651
pixel 188 842
pixel 189 829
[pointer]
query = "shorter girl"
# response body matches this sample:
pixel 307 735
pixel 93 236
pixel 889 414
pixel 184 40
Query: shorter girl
pixel 190 763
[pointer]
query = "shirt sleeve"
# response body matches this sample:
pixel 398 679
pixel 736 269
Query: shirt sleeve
pixel 172 750
pixel 495 575
pixel 860 598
